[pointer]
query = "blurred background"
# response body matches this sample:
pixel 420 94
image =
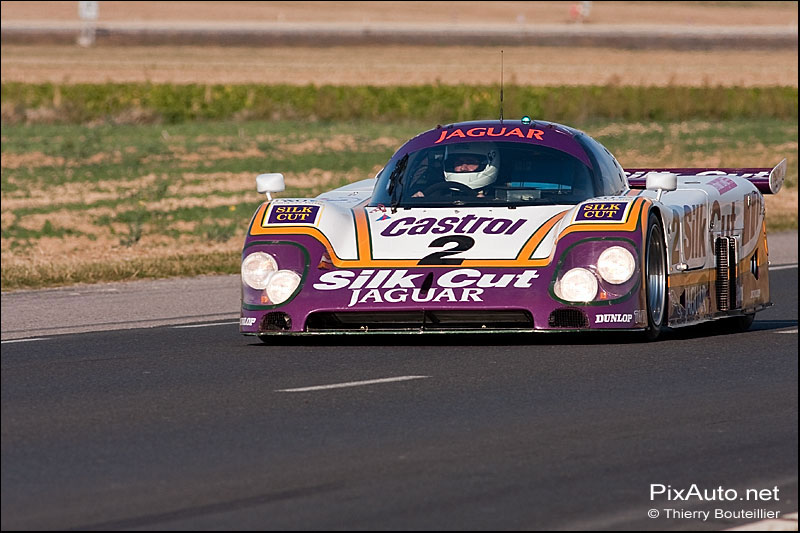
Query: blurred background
pixel 405 43
pixel 132 131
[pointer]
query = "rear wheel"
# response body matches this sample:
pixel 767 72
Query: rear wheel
pixel 655 278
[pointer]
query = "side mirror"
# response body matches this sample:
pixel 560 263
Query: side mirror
pixel 776 177
pixel 661 181
pixel 269 183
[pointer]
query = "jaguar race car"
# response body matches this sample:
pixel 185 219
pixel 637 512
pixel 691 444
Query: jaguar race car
pixel 510 226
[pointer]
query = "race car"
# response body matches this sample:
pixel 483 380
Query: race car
pixel 510 226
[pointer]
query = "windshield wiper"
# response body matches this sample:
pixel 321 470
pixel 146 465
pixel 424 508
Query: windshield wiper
pixel 396 182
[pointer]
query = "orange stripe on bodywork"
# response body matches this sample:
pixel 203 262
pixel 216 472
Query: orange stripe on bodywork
pixel 363 237
pixel 539 235
pixel 647 203
pixel 524 255
pixel 693 277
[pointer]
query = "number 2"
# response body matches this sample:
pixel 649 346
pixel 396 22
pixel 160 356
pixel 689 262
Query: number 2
pixel 462 244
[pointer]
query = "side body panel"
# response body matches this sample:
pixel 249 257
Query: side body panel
pixel 700 215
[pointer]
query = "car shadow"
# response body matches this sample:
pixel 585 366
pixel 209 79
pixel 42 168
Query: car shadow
pixel 708 329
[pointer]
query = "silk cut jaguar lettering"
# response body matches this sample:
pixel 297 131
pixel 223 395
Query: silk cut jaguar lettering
pixel 396 286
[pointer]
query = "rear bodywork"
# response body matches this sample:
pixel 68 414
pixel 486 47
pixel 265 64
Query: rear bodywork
pixel 716 240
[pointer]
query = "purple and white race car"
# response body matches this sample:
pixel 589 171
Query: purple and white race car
pixel 510 226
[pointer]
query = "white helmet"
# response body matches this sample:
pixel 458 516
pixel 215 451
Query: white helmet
pixel 485 154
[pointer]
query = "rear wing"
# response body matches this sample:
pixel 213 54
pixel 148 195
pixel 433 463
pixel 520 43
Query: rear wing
pixel 767 180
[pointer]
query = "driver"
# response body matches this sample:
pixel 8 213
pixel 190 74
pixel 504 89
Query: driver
pixel 468 165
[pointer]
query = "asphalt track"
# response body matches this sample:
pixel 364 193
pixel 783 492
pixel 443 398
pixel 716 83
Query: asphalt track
pixel 176 427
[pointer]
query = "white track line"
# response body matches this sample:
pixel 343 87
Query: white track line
pixel 783 267
pixel 24 340
pixel 205 325
pixel 353 384
pixel 789 331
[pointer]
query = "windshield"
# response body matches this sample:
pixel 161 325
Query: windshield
pixel 484 173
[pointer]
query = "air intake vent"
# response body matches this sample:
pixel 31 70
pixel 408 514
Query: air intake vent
pixel 276 321
pixel 441 320
pixel 725 250
pixel 568 318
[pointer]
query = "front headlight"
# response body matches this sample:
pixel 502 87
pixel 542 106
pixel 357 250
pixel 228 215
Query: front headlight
pixel 616 265
pixel 282 285
pixel 578 285
pixel 257 269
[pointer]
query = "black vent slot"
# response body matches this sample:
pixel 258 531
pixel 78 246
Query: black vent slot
pixel 568 318
pixel 725 250
pixel 754 265
pixel 418 320
pixel 276 321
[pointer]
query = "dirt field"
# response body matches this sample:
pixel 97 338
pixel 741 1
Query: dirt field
pixel 397 65
pixel 393 65
pixel 679 13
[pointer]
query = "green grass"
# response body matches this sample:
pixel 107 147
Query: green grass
pixel 142 150
pixel 174 104
pixel 177 265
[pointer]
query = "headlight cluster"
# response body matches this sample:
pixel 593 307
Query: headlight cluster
pixel 615 266
pixel 257 268
pixel 260 271
pixel 578 285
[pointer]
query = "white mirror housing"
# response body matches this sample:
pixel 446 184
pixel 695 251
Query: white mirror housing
pixel 269 183
pixel 661 181
pixel 776 177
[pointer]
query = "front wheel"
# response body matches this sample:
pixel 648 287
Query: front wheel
pixel 655 278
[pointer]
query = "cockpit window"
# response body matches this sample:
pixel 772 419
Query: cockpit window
pixel 482 174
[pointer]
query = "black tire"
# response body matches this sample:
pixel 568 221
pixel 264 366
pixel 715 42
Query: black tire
pixel 655 278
